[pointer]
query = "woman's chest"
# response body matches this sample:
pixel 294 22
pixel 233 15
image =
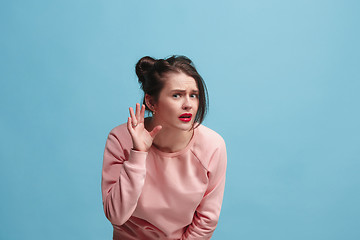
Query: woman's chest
pixel 173 189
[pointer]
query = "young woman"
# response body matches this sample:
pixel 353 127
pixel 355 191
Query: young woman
pixel 163 176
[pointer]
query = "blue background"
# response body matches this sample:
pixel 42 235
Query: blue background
pixel 283 78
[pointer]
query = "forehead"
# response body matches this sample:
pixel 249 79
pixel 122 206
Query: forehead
pixel 180 81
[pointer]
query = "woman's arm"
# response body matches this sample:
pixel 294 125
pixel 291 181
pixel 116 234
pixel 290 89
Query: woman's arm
pixel 207 213
pixel 122 180
pixel 124 171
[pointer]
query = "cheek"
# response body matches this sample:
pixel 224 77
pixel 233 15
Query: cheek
pixel 196 103
pixel 167 108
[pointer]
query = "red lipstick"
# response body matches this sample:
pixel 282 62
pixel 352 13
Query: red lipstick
pixel 186 117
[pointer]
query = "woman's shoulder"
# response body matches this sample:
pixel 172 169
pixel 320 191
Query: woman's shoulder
pixel 209 145
pixel 121 134
pixel 209 136
pixel 120 130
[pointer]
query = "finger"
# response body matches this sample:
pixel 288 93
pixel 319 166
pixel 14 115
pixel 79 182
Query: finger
pixel 155 131
pixel 129 126
pixel 138 112
pixel 133 118
pixel 142 113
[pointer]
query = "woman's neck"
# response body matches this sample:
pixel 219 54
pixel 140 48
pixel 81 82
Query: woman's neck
pixel 169 139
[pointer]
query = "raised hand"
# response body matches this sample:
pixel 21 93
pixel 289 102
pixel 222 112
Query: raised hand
pixel 142 139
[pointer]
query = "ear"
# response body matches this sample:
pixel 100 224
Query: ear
pixel 149 101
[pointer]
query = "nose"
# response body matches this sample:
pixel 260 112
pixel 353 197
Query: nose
pixel 187 105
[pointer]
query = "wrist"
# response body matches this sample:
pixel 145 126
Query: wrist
pixel 139 150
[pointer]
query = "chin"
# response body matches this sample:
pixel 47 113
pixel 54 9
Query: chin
pixel 187 126
pixel 186 129
pixel 180 126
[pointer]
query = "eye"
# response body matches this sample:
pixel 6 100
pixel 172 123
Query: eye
pixel 193 95
pixel 176 95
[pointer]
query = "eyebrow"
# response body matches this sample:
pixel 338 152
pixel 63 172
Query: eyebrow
pixel 181 90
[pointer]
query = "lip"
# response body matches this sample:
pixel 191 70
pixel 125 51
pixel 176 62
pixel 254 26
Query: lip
pixel 185 117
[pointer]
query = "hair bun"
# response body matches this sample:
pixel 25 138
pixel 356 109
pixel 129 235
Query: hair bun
pixel 143 67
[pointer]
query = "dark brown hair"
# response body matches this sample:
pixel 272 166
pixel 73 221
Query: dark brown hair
pixel 152 72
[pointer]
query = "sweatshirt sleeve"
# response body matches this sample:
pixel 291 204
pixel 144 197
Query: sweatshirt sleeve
pixel 123 176
pixel 208 211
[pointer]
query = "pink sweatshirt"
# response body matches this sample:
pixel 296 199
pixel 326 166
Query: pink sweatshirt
pixel 159 195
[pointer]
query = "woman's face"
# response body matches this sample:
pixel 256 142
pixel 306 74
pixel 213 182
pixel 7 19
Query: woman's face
pixel 178 102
